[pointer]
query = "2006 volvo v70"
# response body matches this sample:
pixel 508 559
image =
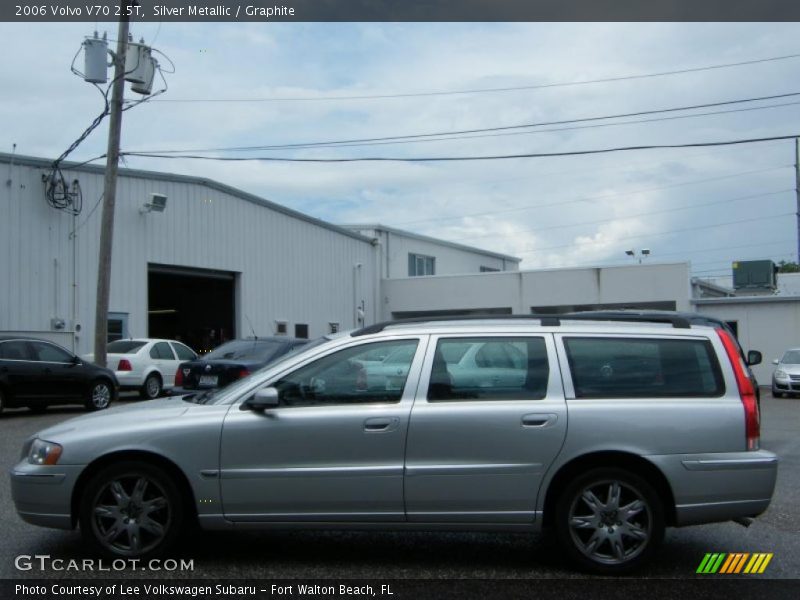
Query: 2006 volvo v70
pixel 603 432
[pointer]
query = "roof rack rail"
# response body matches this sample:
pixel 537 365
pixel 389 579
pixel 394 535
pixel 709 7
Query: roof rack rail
pixel 546 320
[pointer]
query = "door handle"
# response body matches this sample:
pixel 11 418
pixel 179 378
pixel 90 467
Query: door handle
pixel 381 424
pixel 538 420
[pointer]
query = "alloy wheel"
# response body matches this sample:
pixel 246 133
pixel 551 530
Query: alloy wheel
pixel 152 387
pixel 610 522
pixel 101 395
pixel 131 515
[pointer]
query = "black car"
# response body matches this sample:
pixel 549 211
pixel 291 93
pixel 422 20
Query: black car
pixel 36 373
pixel 231 361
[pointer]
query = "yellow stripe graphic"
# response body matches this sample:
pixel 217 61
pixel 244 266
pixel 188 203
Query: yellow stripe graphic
pixel 752 562
pixel 766 562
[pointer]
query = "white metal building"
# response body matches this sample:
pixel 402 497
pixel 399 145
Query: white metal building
pixel 652 286
pixel 406 254
pixel 217 263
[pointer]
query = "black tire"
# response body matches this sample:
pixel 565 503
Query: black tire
pixel 593 530
pixel 122 517
pixel 99 395
pixel 152 387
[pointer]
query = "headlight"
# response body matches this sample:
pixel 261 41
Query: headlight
pixel 780 374
pixel 44 453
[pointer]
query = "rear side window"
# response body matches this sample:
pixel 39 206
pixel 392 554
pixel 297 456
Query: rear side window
pixel 14 350
pixel 643 368
pixel 484 369
pixel 162 351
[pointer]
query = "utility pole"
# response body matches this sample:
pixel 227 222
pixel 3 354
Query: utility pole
pixel 110 191
pixel 797 190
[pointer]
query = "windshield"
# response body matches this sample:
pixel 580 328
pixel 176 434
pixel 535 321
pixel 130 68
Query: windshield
pixel 245 350
pixel 792 357
pixel 124 347
pixel 221 395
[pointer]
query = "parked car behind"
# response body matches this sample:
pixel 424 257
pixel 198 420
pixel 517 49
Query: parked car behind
pixel 786 377
pixel 231 361
pixel 37 373
pixel 145 364
pixel 608 433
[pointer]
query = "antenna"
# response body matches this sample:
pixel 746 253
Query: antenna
pixel 253 331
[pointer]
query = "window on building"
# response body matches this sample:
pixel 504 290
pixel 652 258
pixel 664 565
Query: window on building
pixel 419 265
pixel 301 331
pixel 333 327
pixel 281 327
pixel 488 269
pixel 117 326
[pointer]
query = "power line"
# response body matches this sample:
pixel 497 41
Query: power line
pixel 462 158
pixel 628 217
pixel 462 134
pixel 488 90
pixel 600 197
pixel 669 232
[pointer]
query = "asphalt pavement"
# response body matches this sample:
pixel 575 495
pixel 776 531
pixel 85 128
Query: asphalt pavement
pixel 401 555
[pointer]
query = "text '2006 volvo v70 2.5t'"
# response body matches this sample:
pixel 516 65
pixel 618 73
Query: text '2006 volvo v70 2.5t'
pixel 603 431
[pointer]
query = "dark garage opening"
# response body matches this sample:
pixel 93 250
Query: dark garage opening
pixel 194 306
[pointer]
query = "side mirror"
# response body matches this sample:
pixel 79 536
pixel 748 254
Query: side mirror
pixel 262 400
pixel 76 360
pixel 776 361
pixel 754 358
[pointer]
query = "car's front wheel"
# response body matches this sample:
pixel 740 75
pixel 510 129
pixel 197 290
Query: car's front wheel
pixel 99 396
pixel 152 387
pixel 609 521
pixel 131 509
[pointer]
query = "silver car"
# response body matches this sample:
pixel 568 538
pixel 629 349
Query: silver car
pixel 786 377
pixel 608 432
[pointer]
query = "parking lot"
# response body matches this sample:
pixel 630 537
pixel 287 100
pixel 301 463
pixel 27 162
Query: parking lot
pixel 418 555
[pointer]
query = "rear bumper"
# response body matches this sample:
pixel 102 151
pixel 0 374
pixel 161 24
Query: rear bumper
pixel 43 494
pixel 719 487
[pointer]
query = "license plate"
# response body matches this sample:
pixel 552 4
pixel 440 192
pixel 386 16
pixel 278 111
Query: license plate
pixel 209 380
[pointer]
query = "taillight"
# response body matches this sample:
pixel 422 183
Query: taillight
pixel 746 391
pixel 243 373
pixel 124 365
pixel 178 377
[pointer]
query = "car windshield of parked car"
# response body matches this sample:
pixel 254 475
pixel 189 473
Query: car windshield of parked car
pixel 125 347
pixel 245 350
pixel 222 395
pixel 792 357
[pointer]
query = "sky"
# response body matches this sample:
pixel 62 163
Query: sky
pixel 710 206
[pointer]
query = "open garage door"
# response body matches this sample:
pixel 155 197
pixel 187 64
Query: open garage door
pixel 195 306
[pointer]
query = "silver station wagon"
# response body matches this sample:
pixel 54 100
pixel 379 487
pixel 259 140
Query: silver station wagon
pixel 603 432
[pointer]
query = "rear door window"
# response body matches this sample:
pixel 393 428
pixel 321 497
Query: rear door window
pixel 643 367
pixel 484 369
pixel 162 351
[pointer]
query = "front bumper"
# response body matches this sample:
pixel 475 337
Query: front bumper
pixel 43 494
pixel 785 385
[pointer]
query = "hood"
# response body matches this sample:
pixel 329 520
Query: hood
pixel 140 413
pixel 790 369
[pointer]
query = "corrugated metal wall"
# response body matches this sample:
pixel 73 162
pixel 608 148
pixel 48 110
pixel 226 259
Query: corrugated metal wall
pixel 290 268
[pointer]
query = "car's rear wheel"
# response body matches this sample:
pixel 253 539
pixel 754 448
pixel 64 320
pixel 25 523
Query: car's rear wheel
pixel 131 509
pixel 609 521
pixel 152 387
pixel 99 396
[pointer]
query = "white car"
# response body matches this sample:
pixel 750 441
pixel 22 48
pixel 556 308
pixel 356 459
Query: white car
pixel 145 364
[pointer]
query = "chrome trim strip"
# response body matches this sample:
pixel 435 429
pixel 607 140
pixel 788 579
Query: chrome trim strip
pixel 374 471
pixel 732 464
pixel 22 476
pixel 725 503
pixel 482 469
